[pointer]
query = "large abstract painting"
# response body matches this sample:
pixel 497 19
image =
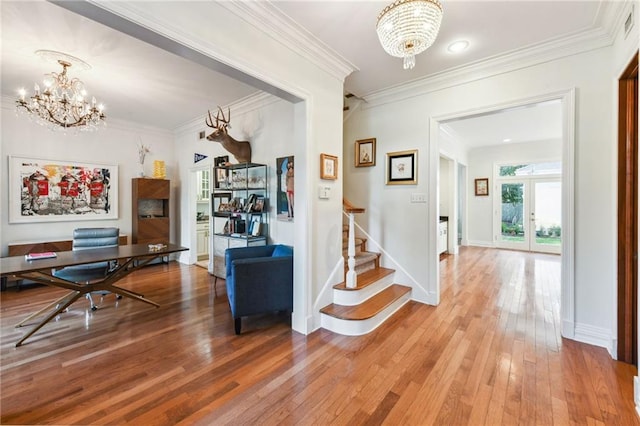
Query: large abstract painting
pixel 52 190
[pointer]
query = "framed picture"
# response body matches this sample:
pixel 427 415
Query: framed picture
pixel 402 167
pixel 365 152
pixel 328 167
pixel 482 186
pixel 43 190
pixel 285 185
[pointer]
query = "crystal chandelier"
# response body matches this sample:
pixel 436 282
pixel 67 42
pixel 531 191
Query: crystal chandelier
pixel 408 27
pixel 61 103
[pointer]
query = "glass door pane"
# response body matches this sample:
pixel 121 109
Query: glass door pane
pixel 513 227
pixel 546 216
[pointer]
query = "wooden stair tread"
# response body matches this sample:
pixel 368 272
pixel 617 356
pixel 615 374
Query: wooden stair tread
pixel 369 307
pixel 366 278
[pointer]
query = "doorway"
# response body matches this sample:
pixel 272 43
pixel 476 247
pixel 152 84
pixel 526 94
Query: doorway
pixel 478 205
pixel 202 215
pixel 628 214
pixel 529 214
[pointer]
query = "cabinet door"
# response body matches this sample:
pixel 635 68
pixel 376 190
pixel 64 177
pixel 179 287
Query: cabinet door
pixel 201 242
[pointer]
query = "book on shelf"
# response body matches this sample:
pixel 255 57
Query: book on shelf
pixel 42 255
pixel 255 225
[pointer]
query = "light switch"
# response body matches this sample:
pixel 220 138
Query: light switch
pixel 323 192
pixel 418 197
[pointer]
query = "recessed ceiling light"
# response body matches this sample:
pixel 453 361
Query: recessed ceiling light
pixel 458 46
pixel 506 140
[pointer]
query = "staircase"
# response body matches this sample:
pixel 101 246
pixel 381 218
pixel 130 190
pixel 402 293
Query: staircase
pixel 374 298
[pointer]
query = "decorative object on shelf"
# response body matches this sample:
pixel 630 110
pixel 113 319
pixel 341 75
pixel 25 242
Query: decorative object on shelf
pixel 482 186
pixel 328 167
pixel 53 191
pixel 159 169
pixel 62 103
pixel 142 153
pixel 365 152
pixel 284 199
pixel 241 150
pixel 402 167
pixel 408 27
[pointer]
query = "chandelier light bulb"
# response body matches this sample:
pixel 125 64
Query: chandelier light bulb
pixel 408 27
pixel 62 104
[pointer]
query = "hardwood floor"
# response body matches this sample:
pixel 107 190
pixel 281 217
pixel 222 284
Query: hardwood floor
pixel 489 354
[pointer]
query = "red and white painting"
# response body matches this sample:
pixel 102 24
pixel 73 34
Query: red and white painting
pixel 53 190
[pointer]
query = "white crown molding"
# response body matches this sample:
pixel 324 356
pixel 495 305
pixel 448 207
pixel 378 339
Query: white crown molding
pixel 279 26
pixel 501 64
pixel 609 17
pixel 242 106
pixel 239 69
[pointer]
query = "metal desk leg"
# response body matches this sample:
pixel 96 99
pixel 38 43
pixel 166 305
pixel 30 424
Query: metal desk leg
pixel 46 308
pixel 72 298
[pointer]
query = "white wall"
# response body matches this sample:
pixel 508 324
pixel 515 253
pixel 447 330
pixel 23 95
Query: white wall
pixel 401 226
pixel 115 144
pixel 268 125
pixel 481 165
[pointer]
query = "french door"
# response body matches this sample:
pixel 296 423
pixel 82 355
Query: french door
pixel 528 214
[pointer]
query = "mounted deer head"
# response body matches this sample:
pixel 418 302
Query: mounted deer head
pixel 241 150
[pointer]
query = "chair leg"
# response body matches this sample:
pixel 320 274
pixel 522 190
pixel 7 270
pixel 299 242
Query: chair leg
pixel 94 307
pixel 238 324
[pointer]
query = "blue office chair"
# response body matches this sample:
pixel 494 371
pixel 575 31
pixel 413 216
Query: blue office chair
pixel 87 239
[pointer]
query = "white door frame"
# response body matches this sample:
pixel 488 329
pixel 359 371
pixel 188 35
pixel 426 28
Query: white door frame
pixel 193 208
pixel 567 97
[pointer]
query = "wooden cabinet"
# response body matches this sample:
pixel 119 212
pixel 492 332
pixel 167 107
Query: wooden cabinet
pixel 150 215
pixel 239 210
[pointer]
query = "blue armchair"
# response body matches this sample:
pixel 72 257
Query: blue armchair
pixel 259 280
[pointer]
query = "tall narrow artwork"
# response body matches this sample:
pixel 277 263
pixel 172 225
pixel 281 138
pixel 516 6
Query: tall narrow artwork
pixel 285 178
pixel 52 190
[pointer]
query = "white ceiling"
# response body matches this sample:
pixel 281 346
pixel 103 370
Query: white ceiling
pixel 141 83
pixel 536 122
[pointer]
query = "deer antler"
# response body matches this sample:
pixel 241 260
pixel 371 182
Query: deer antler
pixel 210 121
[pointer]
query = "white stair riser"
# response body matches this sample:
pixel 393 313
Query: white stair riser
pixel 355 297
pixel 358 328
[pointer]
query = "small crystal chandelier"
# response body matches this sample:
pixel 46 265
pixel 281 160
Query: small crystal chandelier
pixel 408 27
pixel 61 103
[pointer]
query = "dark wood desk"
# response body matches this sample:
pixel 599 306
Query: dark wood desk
pixel 130 258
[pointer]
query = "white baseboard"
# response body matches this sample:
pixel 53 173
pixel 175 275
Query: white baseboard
pixel 596 336
pixel 568 329
pixel 476 243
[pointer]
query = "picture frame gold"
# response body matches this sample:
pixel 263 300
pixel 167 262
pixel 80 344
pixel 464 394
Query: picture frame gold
pixel 481 187
pixel 328 167
pixel 402 167
pixel 365 155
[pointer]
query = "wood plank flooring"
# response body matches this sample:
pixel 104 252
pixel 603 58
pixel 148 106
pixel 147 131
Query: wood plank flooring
pixel 490 354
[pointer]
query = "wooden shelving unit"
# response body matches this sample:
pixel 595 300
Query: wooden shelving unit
pixel 150 216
